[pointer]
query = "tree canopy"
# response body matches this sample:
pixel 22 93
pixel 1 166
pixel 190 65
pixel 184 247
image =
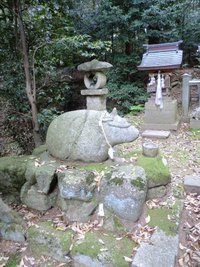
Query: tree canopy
pixel 60 34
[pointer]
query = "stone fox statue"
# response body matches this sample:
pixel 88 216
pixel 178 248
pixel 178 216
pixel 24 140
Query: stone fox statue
pixel 86 135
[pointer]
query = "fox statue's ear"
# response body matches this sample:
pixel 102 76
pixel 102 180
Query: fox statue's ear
pixel 114 112
pixel 107 117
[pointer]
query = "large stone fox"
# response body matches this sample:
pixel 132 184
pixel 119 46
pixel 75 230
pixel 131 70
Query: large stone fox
pixel 87 135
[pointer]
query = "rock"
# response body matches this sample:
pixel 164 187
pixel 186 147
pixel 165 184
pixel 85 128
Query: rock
pixel 150 149
pixel 8 215
pixel 86 261
pixel 75 210
pixel 46 240
pixel 76 184
pixel 11 224
pixel 156 192
pixel 94 249
pixel 13 232
pixel 101 250
pixel 125 192
pixel 157 173
pixel 196 114
pixel 39 150
pixel 35 199
pixel 156 134
pixel 162 250
pixel 12 173
pixel 77 135
pixel 30 172
pixel 192 184
pixel 46 178
pixel 94 65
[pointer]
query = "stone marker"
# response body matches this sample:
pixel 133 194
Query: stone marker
pixel 161 251
pixel 192 184
pixel 150 149
pixel 156 134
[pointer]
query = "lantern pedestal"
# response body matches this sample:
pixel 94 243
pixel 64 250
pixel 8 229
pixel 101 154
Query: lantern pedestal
pixel 95 98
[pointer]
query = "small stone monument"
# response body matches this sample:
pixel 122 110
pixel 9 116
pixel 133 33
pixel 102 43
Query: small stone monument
pixel 188 82
pixel 161 109
pixel 95 82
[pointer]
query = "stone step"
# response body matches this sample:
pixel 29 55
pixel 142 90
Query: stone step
pixel 192 184
pixel 160 251
pixel 156 134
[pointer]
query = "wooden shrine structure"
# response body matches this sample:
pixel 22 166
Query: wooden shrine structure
pixel 159 60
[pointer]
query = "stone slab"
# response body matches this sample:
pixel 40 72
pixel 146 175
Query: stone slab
pixel 194 123
pixel 95 92
pixel 192 184
pixel 166 115
pixel 161 251
pixel 156 134
pixel 161 126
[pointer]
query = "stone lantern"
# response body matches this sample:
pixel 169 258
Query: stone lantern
pixel 159 60
pixel 95 82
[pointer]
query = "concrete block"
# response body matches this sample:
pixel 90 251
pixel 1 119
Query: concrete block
pixel 192 184
pixel 194 123
pixel 156 134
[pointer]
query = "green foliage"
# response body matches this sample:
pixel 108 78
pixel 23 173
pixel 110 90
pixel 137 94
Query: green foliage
pixel 134 110
pixel 45 117
pixel 13 261
pixel 126 95
pixel 60 35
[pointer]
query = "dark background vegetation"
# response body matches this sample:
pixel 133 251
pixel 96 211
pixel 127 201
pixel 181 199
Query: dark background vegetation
pixel 62 34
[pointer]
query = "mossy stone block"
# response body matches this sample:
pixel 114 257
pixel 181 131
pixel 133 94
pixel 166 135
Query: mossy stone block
pixel 12 173
pixel 45 239
pixel 105 249
pixel 157 173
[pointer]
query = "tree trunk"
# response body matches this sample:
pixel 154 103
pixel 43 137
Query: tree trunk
pixel 30 90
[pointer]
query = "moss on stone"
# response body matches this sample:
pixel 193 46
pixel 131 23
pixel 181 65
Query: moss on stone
pixel 160 217
pixel 91 246
pixel 45 239
pixel 12 173
pixel 39 150
pixel 133 153
pixel 157 173
pixel 13 261
pixel 118 225
pixel 117 181
pixel 90 178
pixel 139 183
pixel 98 167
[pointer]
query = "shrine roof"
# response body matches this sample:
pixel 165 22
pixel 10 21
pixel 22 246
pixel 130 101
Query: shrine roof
pixel 161 56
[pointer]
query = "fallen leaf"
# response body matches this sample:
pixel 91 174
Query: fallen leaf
pixel 127 259
pixel 147 219
pixel 101 241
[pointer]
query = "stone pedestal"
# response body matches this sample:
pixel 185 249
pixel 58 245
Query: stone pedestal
pixel 95 98
pixel 161 119
pixel 194 123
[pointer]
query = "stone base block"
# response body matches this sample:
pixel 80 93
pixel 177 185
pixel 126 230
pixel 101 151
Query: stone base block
pixel 161 126
pixel 161 119
pixel 156 134
pixel 192 184
pixel 194 123
pixel 95 99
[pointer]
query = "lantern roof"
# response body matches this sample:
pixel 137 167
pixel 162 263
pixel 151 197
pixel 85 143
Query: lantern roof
pixel 161 56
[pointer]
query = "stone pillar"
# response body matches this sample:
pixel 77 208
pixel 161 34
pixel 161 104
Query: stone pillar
pixel 185 96
pixel 95 99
